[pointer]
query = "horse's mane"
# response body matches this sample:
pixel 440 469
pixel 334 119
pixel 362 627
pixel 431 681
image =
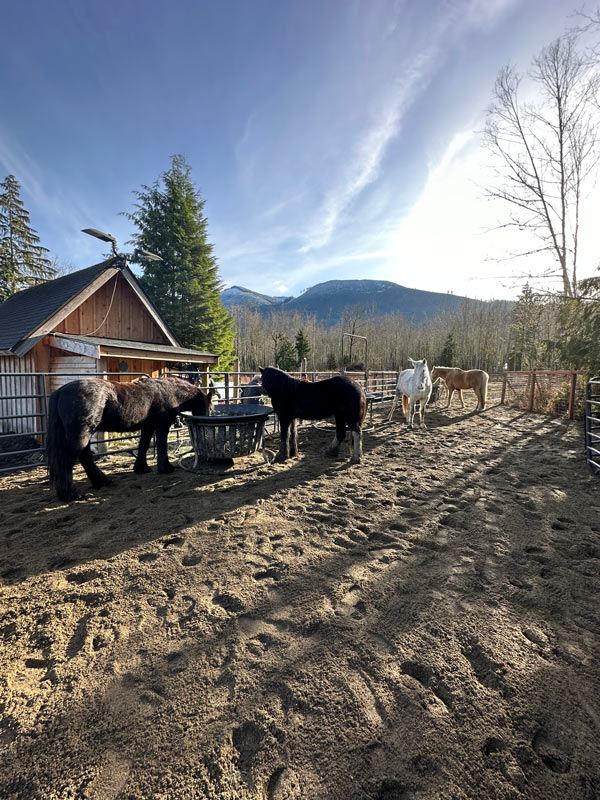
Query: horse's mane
pixel 278 380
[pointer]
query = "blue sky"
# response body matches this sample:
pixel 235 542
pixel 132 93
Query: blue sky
pixel 329 138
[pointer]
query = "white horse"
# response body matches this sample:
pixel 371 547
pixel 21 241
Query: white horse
pixel 414 385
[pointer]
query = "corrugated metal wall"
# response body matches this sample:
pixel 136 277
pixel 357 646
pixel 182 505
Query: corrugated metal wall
pixel 11 384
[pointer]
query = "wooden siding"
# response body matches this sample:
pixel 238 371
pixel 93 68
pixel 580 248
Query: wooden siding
pixel 151 368
pixel 12 384
pixel 122 316
pixel 75 366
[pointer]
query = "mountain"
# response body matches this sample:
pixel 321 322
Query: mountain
pixel 238 296
pixel 328 300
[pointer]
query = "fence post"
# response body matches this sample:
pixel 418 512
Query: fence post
pixel 226 376
pixel 532 390
pixel 43 406
pixel 571 411
pixel 504 381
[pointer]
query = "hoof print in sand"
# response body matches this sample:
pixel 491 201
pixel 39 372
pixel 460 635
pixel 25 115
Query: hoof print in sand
pixel 247 740
pixel 549 749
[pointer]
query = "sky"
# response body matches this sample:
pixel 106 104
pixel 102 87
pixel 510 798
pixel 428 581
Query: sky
pixel 330 139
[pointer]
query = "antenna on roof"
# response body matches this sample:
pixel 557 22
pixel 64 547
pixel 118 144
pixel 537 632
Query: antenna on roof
pixel 106 237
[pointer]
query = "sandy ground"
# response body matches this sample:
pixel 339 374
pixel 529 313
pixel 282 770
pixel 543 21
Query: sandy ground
pixel 424 625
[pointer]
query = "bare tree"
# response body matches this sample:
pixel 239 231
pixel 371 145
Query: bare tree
pixel 547 152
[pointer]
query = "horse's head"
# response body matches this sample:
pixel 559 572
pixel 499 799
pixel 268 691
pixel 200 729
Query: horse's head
pixel 201 403
pixel 421 373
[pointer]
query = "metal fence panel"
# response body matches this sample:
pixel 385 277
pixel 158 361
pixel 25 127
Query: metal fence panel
pixel 592 424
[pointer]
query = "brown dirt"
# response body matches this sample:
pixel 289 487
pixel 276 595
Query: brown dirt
pixel 424 625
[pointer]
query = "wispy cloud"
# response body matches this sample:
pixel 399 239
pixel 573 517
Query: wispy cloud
pixel 33 181
pixel 415 72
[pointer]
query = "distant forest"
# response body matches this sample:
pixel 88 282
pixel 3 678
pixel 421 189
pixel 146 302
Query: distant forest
pixel 535 332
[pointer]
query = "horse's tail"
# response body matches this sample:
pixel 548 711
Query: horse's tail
pixel 404 404
pixel 484 388
pixel 57 450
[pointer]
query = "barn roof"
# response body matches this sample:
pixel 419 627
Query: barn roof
pixel 27 310
pixel 28 315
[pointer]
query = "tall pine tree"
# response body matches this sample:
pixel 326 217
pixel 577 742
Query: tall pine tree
pixel 23 261
pixel 184 286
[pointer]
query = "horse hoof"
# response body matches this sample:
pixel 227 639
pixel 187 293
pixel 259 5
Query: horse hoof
pixel 141 469
pixel 167 469
pixel 100 482
pixel 70 496
pixel 279 458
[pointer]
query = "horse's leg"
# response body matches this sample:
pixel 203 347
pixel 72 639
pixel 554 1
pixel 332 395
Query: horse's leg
pixel 284 425
pixel 422 406
pixel 394 402
pixel 460 397
pixel 293 438
pixel 141 464
pixel 339 436
pixel 356 432
pixel 164 466
pixel 92 470
pixel 408 414
pixel 450 393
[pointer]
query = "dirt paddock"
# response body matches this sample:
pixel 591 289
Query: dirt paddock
pixel 422 626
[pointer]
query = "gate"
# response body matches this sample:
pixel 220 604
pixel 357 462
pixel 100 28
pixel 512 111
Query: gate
pixel 592 424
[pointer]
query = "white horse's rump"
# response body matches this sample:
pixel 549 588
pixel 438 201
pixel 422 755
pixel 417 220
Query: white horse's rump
pixel 413 385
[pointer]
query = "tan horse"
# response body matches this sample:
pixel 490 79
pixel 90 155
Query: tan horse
pixel 459 379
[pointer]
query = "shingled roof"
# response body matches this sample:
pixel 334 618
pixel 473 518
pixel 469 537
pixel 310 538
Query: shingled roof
pixel 25 311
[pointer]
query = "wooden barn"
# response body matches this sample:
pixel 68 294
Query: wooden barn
pixel 95 320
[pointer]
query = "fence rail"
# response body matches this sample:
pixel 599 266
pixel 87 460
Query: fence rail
pixel 592 424
pixel 560 393
pixel 24 406
pixel 24 403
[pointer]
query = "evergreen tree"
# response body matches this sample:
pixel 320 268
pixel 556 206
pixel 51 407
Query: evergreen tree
pixel 23 261
pixel 285 355
pixel 331 362
pixel 184 286
pixel 448 355
pixel 302 346
pixel 579 325
pixel 524 329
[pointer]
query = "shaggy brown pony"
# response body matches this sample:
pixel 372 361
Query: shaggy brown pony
pixel 80 408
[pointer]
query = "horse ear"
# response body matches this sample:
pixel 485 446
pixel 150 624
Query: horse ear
pixel 411 361
pixel 424 362
pixel 260 369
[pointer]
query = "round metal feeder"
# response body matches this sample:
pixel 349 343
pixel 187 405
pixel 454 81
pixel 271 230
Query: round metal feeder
pixel 231 431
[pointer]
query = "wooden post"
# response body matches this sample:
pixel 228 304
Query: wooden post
pixel 504 381
pixel 237 380
pixel 532 389
pixel 571 411
pixel 203 375
pixel 226 387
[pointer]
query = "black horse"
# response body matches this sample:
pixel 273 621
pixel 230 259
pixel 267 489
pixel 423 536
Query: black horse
pixel 338 397
pixel 80 408
pixel 252 392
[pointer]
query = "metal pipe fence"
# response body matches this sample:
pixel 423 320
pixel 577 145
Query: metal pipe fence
pixel 592 424
pixel 34 396
pixel 24 406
